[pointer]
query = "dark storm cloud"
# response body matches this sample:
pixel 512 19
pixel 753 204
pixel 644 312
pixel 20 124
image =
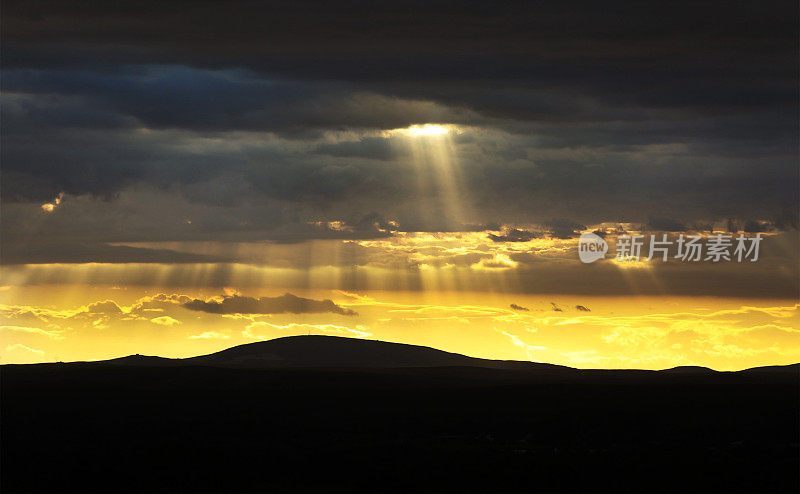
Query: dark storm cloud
pixel 665 224
pixel 76 253
pixel 550 61
pixel 753 226
pixel 237 304
pixel 561 228
pixel 103 162
pixel 79 229
pixel 374 148
pixel 514 235
pixel 205 100
pixel 589 111
pixel 432 40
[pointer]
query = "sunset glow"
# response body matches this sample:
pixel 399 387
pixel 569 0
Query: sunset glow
pixel 441 200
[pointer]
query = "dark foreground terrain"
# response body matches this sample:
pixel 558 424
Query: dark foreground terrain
pixel 265 419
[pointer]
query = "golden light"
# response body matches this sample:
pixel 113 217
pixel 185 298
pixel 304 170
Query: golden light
pixel 423 130
pixel 49 207
pixel 631 262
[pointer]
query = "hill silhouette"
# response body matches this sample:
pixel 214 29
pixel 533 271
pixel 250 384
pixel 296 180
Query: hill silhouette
pixel 336 351
pixel 329 414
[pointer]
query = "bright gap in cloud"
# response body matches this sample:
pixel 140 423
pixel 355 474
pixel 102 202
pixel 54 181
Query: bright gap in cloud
pixel 422 130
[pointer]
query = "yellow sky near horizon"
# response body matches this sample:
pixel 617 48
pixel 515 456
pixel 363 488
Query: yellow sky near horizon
pixel 46 323
pixel 478 293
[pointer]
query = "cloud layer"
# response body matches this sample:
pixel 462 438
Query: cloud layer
pixel 237 304
pixel 246 121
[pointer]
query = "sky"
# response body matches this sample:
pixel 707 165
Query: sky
pixel 181 177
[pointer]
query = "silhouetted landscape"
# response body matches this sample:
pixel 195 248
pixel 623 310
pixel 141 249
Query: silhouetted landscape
pixel 315 413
